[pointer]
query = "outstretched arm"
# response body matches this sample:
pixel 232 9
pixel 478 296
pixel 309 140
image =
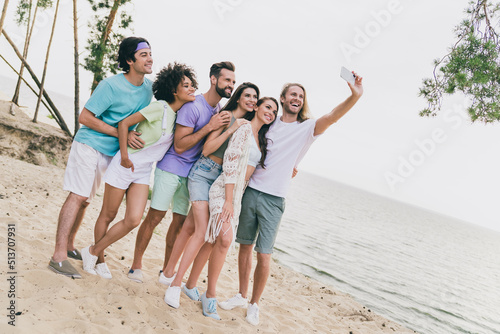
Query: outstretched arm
pixel 333 116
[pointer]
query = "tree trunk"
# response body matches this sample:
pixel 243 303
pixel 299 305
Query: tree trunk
pixel 29 31
pixel 104 38
pixel 32 89
pixel 58 116
pixel 46 62
pixel 77 68
pixel 4 13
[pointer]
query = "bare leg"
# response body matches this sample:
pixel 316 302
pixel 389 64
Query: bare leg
pixel 218 257
pixel 180 242
pixel 198 264
pixel 76 226
pixel 137 196
pixel 201 216
pixel 67 216
pixel 153 218
pixel 173 231
pixel 244 268
pixel 260 276
pixel 111 203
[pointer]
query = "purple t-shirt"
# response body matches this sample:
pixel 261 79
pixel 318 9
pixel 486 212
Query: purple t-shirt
pixel 195 115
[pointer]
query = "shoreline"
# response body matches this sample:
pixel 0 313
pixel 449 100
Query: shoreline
pixel 30 198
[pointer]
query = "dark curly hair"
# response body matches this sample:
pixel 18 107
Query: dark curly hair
pixel 263 130
pixel 126 51
pixel 168 79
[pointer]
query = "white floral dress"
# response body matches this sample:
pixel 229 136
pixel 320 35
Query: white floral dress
pixel 233 171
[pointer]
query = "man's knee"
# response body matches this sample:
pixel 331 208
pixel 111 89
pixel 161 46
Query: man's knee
pixel 186 224
pixel 178 220
pixel 154 217
pixel 263 260
pixel 81 200
pixel 246 249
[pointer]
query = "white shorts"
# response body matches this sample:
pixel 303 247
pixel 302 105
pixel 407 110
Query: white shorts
pixel 121 177
pixel 85 170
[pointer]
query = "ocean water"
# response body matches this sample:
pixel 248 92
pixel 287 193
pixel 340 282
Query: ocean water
pixel 431 273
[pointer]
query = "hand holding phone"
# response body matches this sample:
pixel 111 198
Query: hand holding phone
pixel 347 75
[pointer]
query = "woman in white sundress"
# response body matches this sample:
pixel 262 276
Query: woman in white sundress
pixel 247 149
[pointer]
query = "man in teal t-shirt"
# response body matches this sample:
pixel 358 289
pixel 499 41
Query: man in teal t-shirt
pixel 96 143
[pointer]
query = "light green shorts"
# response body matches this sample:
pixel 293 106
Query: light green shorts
pixel 170 191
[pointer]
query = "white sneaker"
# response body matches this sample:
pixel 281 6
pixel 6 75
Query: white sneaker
pixel 88 260
pixel 253 314
pixel 236 301
pixel 173 296
pixel 102 270
pixel 136 275
pixel 166 280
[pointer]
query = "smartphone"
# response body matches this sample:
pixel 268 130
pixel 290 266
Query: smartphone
pixel 347 75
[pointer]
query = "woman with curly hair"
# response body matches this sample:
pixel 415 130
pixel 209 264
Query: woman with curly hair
pixel 129 171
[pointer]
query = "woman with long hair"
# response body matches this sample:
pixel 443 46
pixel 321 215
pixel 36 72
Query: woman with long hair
pixel 203 173
pixel 246 150
pixel 129 171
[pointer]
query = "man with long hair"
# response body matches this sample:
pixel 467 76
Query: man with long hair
pixel 263 203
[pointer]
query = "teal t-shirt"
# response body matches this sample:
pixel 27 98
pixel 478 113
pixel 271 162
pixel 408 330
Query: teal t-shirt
pixel 154 125
pixel 114 99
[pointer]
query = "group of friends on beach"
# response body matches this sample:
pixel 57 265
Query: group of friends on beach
pixel 224 172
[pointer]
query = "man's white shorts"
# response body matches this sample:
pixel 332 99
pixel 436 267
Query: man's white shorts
pixel 85 170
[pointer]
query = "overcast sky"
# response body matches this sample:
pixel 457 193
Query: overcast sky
pixel 445 164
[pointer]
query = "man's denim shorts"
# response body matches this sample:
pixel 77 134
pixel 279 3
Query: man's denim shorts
pixel 203 173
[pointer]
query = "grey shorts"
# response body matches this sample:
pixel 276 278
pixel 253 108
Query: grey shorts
pixel 201 177
pixel 260 219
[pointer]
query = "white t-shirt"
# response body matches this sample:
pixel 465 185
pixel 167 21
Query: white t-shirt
pixel 287 146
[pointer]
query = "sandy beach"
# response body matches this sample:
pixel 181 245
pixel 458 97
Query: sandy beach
pixel 30 198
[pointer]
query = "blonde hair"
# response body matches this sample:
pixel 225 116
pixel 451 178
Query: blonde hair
pixel 304 113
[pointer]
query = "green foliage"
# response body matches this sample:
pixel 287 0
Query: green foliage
pixel 102 44
pixel 24 7
pixel 472 67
